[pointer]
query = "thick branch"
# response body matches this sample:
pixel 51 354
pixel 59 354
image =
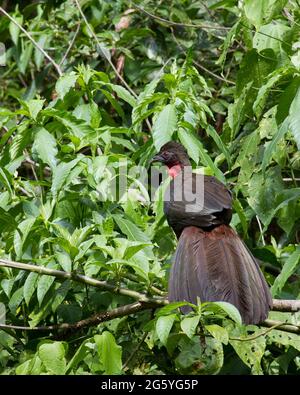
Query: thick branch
pixel 57 67
pixel 91 321
pixel 286 305
pixel 281 326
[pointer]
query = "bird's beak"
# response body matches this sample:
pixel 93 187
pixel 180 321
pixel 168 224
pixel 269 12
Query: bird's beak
pixel 157 158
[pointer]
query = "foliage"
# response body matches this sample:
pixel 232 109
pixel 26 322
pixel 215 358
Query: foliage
pixel 231 96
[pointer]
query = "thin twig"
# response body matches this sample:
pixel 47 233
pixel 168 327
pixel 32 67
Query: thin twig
pixel 261 230
pixel 135 350
pixel 199 65
pixel 249 338
pixel 172 23
pixel 71 45
pixel 57 67
pixel 108 59
pixel 104 54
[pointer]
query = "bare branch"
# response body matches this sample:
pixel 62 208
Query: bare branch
pixel 286 305
pixel 70 46
pixel 167 21
pixel 94 320
pixel 28 35
pixel 281 326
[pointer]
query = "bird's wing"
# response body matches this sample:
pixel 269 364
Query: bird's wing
pixel 197 200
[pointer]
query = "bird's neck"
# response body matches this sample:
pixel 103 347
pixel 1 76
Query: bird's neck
pixel 175 170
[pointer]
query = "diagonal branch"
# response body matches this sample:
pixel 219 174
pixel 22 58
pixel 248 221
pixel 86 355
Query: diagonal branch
pixel 172 23
pixel 28 35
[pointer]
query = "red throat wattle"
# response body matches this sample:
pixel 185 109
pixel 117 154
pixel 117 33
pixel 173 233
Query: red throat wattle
pixel 174 170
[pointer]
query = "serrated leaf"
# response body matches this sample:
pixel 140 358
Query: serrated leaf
pixel 65 83
pixel 163 327
pixel 34 107
pixel 53 357
pixel 287 270
pixel 45 146
pixel 164 126
pixel 61 173
pixel 197 152
pixel 123 94
pixel 110 354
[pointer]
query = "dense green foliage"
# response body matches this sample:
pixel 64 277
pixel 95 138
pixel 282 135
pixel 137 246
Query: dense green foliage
pixel 231 96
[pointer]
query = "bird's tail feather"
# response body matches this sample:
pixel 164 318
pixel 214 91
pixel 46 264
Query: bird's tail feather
pixel 217 266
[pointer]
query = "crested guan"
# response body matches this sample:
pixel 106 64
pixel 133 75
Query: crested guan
pixel 211 261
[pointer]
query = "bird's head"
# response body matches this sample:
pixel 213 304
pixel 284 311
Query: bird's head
pixel 174 156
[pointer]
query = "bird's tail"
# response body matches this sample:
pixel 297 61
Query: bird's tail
pixel 217 266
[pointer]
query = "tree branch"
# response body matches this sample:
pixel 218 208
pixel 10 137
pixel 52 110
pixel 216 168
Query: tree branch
pixel 70 46
pixel 281 326
pixel 94 320
pixel 198 26
pixel 278 305
pixel 57 67
pixel 82 279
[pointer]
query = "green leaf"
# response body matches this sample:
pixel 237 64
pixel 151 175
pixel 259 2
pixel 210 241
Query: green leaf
pixel 170 307
pixel 53 357
pixel 219 142
pixel 123 94
pixel 262 11
pixel 164 126
pixel 34 107
pixel 30 286
pixel 38 55
pixel 110 354
pixel 45 146
pixel 65 83
pixel 79 356
pixel 6 180
pixel 44 284
pixel 229 309
pixel 287 270
pixel 294 118
pixel 15 300
pixel 264 91
pixel 14 30
pixel 61 173
pixel 273 144
pixel 250 352
pixel 189 325
pixel 218 332
pixel 197 152
pixel 163 327
pixel 270 36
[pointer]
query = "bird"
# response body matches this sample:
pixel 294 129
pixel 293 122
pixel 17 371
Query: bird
pixel 211 261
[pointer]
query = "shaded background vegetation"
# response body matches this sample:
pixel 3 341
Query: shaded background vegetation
pixel 116 80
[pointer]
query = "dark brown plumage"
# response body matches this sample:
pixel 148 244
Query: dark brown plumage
pixel 211 261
